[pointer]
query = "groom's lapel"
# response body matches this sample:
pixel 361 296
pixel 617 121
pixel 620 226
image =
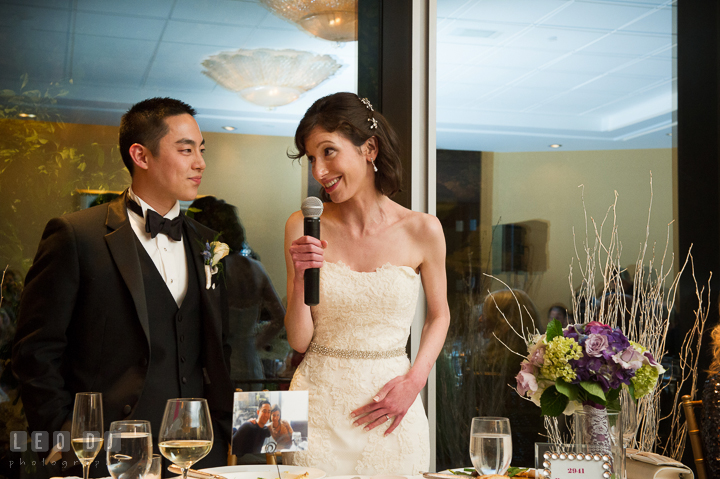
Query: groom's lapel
pixel 211 298
pixel 121 243
pixel 214 321
pixel 196 244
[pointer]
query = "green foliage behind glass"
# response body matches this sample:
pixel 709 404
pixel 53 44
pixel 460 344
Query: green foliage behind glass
pixel 41 170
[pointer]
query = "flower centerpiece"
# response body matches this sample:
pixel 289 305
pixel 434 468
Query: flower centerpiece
pixel 585 369
pixel 584 365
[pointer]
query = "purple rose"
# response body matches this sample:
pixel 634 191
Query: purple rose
pixel 629 359
pixel 595 344
pixel 526 380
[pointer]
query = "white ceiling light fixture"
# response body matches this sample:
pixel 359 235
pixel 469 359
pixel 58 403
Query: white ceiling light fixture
pixel 267 77
pixel 334 20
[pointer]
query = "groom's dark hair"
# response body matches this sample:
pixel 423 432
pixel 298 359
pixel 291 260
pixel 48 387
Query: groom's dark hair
pixel 262 403
pixel 144 123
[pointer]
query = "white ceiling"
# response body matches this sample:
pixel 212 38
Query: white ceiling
pixel 118 52
pixel 520 75
pixel 512 75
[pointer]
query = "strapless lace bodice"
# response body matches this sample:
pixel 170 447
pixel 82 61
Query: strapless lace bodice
pixel 365 311
pixel 360 312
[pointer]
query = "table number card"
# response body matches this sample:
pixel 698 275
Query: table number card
pixel 571 461
pixel 576 466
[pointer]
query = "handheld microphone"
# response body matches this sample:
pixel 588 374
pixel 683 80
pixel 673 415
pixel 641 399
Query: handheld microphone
pixel 312 208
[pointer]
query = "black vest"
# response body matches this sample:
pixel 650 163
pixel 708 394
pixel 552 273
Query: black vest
pixel 175 366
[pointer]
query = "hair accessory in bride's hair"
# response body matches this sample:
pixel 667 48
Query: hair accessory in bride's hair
pixel 372 119
pixel 367 104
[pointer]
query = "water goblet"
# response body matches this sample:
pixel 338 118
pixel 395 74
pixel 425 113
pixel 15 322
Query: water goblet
pixel 490 445
pixel 186 433
pixel 628 417
pixel 86 435
pixel 129 449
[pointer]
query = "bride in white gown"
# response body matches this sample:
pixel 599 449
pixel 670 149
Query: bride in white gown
pixel 366 416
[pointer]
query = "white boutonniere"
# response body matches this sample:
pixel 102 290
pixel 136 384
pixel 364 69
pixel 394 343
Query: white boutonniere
pixel 213 253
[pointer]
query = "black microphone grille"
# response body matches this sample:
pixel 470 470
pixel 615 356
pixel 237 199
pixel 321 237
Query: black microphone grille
pixel 312 207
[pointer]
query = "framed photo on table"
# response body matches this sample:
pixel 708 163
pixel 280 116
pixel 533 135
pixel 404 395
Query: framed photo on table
pixel 265 422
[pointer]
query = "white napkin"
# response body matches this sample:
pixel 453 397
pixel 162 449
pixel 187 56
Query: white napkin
pixel 647 465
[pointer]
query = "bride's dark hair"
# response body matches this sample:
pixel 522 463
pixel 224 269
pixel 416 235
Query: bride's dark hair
pixel 347 114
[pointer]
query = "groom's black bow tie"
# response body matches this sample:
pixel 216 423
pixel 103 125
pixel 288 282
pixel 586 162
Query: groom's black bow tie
pixel 154 223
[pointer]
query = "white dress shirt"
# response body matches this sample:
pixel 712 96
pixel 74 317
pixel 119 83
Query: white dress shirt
pixel 167 254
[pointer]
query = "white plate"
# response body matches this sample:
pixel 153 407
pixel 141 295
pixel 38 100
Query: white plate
pixel 265 471
pixel 458 469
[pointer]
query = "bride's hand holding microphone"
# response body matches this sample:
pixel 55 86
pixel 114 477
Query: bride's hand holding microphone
pixel 306 253
pixel 305 256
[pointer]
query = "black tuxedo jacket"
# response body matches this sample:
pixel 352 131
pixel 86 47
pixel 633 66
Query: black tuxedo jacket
pixel 83 321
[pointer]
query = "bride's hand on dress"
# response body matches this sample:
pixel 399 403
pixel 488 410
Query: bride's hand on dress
pixel 390 404
pixel 307 252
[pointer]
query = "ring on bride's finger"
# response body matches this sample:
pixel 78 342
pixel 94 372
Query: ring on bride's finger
pixel 387 417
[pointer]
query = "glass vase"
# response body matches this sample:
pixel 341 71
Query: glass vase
pixel 601 431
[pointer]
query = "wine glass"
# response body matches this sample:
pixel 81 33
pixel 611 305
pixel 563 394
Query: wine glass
pixel 628 417
pixel 490 445
pixel 129 449
pixel 86 436
pixel 186 434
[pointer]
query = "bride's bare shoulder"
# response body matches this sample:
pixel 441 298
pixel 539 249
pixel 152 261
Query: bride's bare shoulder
pixel 295 218
pixel 419 223
pixel 294 225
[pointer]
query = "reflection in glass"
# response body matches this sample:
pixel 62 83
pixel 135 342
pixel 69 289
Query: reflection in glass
pixel 256 311
pixel 534 99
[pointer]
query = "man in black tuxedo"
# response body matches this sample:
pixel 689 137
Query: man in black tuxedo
pixel 116 300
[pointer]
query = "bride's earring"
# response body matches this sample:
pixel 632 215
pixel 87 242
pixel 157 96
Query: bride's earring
pixel 374 167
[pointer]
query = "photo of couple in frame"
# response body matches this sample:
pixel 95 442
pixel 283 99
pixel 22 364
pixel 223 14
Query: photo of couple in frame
pixel 265 422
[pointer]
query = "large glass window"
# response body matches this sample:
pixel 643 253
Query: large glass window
pixel 70 69
pixel 535 98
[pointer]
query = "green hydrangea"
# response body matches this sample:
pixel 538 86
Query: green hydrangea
pixel 557 354
pixel 645 380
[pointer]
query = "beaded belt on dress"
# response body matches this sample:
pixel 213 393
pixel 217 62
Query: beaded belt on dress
pixel 355 354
